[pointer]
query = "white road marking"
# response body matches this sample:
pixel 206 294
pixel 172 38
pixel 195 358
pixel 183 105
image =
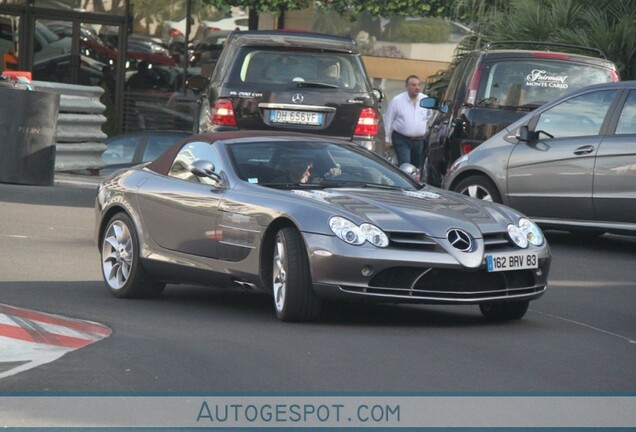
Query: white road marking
pixel 29 338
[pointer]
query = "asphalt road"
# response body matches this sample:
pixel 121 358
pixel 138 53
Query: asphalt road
pixel 579 337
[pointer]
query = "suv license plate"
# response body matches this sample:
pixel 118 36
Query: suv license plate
pixel 512 261
pixel 296 117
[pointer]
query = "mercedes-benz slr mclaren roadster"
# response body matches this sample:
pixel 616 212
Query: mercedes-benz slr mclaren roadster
pixel 308 218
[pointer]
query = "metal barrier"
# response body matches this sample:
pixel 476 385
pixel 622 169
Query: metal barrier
pixel 79 137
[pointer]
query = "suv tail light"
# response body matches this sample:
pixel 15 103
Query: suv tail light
pixel 471 94
pixel 223 113
pixel 368 122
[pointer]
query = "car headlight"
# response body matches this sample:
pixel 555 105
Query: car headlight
pixel 516 235
pixel 353 234
pixel 531 232
pixel 374 235
pixel 527 232
pixel 346 231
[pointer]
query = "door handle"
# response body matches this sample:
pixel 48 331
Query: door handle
pixel 584 150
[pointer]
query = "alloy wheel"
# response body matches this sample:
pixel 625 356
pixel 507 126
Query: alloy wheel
pixel 117 255
pixel 478 192
pixel 280 274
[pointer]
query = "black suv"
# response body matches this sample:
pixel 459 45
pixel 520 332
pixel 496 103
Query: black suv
pixel 291 81
pixel 491 88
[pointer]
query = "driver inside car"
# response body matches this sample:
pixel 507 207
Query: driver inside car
pixel 299 170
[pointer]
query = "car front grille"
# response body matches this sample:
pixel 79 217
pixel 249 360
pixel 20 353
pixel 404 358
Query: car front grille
pixel 412 241
pixel 417 241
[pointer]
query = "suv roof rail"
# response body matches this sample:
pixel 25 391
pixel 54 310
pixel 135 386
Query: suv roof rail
pixel 596 51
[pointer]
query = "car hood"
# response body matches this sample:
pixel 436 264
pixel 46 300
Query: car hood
pixel 430 210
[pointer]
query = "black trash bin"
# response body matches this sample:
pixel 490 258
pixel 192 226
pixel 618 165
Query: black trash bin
pixel 28 123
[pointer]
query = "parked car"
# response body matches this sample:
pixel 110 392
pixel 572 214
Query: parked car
pixel 46 43
pixel 570 164
pixel 491 88
pixel 238 21
pixel 57 68
pixel 133 148
pixel 292 81
pixel 207 50
pixel 306 218
pixel 174 30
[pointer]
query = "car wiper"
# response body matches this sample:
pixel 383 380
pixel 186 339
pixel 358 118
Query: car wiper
pixel 291 185
pixel 357 184
pixel 382 186
pixel 304 84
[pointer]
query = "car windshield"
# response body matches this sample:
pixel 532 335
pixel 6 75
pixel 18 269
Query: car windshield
pixel 530 84
pixel 299 68
pixel 321 164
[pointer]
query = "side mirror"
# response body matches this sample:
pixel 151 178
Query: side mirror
pixel 410 170
pixel 379 94
pixel 523 133
pixel 431 102
pixel 205 169
pixel 197 83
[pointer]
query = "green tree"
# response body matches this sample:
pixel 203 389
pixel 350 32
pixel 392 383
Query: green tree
pixel 611 29
pixel 386 8
pixel 277 7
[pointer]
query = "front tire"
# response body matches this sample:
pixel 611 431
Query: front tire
pixel 479 187
pixel 509 311
pixel 121 267
pixel 294 296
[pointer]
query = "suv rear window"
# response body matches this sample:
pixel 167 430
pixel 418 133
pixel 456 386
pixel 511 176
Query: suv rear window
pixel 272 67
pixel 530 84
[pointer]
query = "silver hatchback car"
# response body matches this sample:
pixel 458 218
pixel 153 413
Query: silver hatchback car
pixel 570 164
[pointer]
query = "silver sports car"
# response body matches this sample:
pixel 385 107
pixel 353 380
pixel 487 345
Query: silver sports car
pixel 308 218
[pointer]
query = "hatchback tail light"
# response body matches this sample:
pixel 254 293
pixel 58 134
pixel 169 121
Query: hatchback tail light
pixel 473 88
pixel 615 77
pixel 368 122
pixel 223 113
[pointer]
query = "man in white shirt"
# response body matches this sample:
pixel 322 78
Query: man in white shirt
pixel 406 124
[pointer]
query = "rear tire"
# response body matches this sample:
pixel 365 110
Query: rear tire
pixel 478 187
pixel 508 311
pixel 294 296
pixel 121 265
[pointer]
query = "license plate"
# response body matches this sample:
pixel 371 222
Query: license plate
pixel 512 261
pixel 295 117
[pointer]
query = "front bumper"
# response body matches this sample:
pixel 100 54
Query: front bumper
pixel 408 276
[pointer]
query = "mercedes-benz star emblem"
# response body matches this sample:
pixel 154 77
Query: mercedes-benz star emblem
pixel 460 240
pixel 298 98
